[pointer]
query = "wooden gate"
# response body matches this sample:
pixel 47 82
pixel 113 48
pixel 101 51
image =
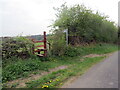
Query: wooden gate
pixel 37 49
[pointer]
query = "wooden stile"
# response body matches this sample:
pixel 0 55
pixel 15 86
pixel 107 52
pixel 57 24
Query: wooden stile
pixel 44 47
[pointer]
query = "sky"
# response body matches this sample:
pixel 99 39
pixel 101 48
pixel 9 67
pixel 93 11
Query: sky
pixel 119 13
pixel 32 17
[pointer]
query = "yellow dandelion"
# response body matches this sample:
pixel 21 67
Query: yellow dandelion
pixel 57 79
pixel 45 86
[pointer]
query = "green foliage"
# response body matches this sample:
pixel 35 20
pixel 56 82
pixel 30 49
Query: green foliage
pixel 85 24
pixel 101 48
pixel 17 47
pixel 119 35
pixel 108 32
pixel 71 51
pixel 59 47
pixel 55 79
pixel 18 68
pixel 22 68
pixel 58 44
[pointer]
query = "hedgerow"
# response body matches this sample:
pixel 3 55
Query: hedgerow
pixel 20 47
pixel 84 25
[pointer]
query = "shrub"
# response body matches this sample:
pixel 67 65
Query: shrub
pixel 71 51
pixel 58 44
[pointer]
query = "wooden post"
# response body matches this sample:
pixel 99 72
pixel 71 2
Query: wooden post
pixel 33 46
pixel 45 51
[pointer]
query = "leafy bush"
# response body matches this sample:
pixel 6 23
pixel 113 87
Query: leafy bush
pixel 71 51
pixel 58 44
pixel 59 47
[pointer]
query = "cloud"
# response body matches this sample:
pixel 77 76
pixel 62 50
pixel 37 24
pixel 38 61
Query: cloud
pixel 119 13
pixel 25 16
pixel 33 16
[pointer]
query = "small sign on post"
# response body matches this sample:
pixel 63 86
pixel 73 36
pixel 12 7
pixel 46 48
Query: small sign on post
pixel 66 31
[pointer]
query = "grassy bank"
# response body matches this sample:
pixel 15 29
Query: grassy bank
pixel 22 68
pixel 97 49
pixel 56 79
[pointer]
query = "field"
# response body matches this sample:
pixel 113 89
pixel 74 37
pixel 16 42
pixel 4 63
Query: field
pixel 37 44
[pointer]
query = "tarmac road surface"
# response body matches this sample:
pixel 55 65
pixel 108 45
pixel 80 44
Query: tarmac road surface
pixel 101 75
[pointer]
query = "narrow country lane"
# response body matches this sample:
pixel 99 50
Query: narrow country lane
pixel 102 75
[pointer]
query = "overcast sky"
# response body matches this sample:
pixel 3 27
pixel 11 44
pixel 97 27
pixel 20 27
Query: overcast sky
pixel 30 17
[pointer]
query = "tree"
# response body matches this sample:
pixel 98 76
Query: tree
pixel 84 26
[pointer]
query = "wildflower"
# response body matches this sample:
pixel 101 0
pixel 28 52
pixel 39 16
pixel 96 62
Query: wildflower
pixel 60 83
pixel 50 81
pixel 45 86
pixel 57 79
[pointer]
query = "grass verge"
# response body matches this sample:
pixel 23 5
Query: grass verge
pixel 22 68
pixel 56 79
